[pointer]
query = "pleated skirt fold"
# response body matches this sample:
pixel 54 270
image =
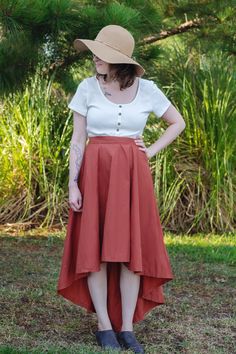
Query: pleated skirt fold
pixel 119 223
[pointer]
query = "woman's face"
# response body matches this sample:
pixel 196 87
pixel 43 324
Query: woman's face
pixel 101 66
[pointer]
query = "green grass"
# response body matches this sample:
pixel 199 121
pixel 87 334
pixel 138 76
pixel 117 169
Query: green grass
pixel 198 316
pixel 208 248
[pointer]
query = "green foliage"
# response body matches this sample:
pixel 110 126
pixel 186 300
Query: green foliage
pixel 15 61
pixel 197 180
pixel 218 31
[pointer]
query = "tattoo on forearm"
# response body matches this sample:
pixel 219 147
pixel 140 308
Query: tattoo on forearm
pixel 78 160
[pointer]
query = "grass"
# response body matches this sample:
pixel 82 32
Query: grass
pixel 198 315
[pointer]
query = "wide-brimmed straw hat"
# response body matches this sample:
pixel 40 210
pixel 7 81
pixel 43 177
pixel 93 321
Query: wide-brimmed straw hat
pixel 113 44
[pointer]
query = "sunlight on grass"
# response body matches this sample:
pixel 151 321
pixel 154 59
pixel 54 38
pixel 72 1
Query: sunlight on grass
pixel 209 247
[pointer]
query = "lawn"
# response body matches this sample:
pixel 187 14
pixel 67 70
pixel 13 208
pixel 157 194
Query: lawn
pixel 198 315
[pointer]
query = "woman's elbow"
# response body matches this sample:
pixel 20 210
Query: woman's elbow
pixel 173 116
pixel 182 124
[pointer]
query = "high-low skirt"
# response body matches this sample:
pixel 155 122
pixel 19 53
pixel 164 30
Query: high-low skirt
pixel 119 223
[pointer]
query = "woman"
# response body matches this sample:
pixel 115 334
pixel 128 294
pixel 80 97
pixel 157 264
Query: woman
pixel 114 261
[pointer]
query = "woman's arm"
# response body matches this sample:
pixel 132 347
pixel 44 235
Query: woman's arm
pixel 176 126
pixel 77 146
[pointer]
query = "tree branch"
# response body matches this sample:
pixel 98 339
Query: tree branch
pixel 184 27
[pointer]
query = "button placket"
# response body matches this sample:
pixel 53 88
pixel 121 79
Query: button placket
pixel 119 114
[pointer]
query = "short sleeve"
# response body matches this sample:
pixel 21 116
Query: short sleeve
pixel 79 100
pixel 160 103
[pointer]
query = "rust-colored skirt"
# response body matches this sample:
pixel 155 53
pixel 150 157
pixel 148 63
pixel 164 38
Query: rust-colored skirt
pixel 119 222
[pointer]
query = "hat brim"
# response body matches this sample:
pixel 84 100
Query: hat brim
pixel 106 53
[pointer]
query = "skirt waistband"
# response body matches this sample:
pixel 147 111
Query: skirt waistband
pixel 108 139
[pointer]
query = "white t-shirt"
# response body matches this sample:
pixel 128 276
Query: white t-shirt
pixel 107 118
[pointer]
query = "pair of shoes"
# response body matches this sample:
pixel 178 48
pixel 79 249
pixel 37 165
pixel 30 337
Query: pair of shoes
pixel 107 339
pixel 127 340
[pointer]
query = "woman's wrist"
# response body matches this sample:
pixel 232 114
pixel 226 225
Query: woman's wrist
pixel 150 153
pixel 73 184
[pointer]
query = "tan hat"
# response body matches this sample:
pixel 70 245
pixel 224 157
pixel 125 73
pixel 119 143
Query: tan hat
pixel 113 44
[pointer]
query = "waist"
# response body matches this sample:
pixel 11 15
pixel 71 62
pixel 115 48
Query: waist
pixel 108 139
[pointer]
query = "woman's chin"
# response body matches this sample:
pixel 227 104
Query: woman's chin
pixel 100 71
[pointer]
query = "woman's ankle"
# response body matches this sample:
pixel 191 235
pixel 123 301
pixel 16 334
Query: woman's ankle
pixel 127 327
pixel 104 326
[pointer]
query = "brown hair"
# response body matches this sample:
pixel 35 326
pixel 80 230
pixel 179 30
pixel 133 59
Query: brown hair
pixel 124 73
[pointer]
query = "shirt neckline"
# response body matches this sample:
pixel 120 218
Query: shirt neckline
pixel 117 104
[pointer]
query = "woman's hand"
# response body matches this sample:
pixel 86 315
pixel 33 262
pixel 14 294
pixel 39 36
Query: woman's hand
pixel 139 142
pixel 75 198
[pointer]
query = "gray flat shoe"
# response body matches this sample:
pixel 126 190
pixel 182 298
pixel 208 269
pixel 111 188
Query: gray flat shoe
pixel 127 340
pixel 107 339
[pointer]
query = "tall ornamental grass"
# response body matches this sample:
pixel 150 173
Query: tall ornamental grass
pixel 195 178
pixel 34 134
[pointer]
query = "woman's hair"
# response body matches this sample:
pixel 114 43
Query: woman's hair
pixel 124 73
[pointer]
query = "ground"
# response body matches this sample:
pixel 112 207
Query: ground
pixel 198 316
